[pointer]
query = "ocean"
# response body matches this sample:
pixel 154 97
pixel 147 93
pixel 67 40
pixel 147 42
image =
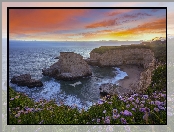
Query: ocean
pixel 30 57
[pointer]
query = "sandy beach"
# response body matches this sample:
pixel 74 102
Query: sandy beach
pixel 128 82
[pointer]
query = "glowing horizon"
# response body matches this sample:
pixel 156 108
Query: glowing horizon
pixel 86 24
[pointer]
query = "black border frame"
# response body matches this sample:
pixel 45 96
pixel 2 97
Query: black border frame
pixel 8 8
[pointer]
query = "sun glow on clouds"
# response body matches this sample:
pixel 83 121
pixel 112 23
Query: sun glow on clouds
pixel 86 24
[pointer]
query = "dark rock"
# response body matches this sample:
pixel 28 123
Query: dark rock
pixel 108 89
pixel 21 80
pixel 126 77
pixel 92 62
pixel 34 83
pixel 56 57
pixel 25 80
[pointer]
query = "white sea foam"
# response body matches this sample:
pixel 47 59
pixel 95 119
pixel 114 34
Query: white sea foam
pixel 74 84
pixel 119 75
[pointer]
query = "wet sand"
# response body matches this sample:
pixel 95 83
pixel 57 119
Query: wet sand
pixel 132 79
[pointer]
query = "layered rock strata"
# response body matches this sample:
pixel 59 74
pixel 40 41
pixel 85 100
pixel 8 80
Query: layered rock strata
pixel 70 66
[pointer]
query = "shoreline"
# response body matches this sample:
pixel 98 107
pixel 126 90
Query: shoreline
pixel 133 72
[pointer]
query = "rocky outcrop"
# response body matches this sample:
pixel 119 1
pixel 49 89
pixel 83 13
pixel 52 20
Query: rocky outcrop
pixel 25 80
pixel 112 89
pixel 108 89
pixel 70 66
pixel 56 57
pixel 137 56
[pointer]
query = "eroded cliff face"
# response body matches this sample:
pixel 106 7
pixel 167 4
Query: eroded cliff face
pixel 69 67
pixel 138 56
pixel 120 57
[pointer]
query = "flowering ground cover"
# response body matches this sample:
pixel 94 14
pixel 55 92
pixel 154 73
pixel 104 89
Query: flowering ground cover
pixel 148 107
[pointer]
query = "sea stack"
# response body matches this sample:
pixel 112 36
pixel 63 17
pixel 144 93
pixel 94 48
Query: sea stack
pixel 70 66
pixel 25 80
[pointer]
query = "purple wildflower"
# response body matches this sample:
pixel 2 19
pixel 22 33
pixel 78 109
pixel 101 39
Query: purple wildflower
pixel 145 96
pixel 98 120
pixel 131 99
pixel 41 122
pixel 100 102
pixel 133 109
pixel 107 121
pixel 152 103
pixel 156 109
pixel 121 112
pixel 157 102
pixel 16 97
pixel 137 101
pixel 163 95
pixel 116 116
pixel 114 111
pixel 104 111
pixel 17 115
pixel 142 109
pixel 12 99
pixel 134 95
pixel 160 107
pixel 143 102
pixel 141 105
pixel 127 113
pixel 123 121
pixel 133 103
pixel 107 117
pixel 127 106
pixel 147 110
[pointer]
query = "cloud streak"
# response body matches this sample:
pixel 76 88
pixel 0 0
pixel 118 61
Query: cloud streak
pixel 104 23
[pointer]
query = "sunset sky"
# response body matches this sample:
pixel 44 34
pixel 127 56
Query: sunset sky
pixel 86 24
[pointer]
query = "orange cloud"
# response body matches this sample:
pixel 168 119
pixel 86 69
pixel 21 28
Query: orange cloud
pixel 156 26
pixel 102 24
pixel 32 20
pixel 117 12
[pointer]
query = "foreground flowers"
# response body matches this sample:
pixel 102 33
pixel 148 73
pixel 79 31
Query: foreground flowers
pixel 128 109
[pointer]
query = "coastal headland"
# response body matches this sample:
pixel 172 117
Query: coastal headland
pixel 137 60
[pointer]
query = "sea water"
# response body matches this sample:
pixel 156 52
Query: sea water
pixel 30 57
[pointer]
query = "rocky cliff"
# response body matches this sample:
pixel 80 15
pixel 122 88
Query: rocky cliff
pixel 137 56
pixel 70 66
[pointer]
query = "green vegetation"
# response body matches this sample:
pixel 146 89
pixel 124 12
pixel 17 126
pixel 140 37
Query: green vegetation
pixel 146 108
pixel 159 81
